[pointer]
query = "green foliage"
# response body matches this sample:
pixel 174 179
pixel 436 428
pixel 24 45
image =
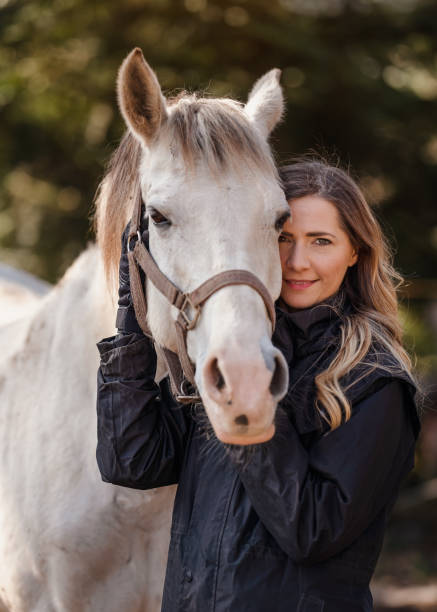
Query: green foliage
pixel 359 77
pixel 420 341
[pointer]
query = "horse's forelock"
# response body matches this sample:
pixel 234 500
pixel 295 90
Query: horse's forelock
pixel 217 132
pixel 209 130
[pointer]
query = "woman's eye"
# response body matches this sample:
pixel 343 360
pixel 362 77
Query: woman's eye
pixel 159 219
pixel 323 241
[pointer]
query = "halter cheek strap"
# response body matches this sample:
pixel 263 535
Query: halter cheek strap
pixel 189 305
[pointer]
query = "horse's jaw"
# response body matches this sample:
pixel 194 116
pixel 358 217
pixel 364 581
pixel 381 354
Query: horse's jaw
pixel 161 317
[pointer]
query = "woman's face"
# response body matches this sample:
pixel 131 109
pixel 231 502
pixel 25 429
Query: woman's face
pixel 315 252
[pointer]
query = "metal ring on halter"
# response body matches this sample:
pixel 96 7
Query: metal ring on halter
pixel 130 238
pixel 189 323
pixel 185 397
pixel 184 390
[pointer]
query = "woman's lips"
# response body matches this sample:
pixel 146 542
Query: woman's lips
pixel 300 284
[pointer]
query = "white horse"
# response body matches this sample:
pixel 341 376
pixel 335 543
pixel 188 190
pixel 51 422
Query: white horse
pixel 68 541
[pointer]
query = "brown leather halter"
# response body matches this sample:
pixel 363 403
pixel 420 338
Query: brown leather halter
pixel 179 365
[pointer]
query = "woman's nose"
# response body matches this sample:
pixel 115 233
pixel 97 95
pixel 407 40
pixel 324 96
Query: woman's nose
pixel 297 258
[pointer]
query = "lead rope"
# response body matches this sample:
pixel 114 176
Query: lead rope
pixel 138 297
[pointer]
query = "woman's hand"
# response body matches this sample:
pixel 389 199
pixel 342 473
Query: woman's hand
pixel 126 320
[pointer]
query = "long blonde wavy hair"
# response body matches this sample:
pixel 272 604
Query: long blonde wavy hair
pixel 373 326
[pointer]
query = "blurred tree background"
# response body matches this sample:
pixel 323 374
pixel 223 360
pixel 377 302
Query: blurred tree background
pixel 360 80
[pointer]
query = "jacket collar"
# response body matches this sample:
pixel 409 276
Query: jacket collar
pixel 304 320
pixel 302 332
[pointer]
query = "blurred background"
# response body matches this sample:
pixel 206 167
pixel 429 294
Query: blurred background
pixel 360 80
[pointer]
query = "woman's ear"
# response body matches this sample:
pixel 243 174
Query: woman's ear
pixel 353 259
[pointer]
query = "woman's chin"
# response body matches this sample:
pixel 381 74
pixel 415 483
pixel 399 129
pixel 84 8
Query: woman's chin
pixel 298 301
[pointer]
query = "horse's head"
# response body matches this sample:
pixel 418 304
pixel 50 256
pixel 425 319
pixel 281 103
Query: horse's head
pixel 214 203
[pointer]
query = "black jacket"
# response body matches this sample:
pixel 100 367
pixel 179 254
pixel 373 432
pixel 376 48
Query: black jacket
pixel 292 525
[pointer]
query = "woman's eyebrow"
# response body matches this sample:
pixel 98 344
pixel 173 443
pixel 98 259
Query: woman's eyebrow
pixel 320 234
pixel 310 234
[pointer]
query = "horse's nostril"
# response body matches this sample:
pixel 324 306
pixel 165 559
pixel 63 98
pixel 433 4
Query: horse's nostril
pixel 279 382
pixel 241 420
pixel 219 380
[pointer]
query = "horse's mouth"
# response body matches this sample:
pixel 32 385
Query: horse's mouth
pixel 245 436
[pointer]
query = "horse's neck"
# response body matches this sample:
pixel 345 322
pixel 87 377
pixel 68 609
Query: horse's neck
pixel 81 303
pixel 68 322
pixel 77 313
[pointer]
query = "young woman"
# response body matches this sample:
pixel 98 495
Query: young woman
pixel 296 523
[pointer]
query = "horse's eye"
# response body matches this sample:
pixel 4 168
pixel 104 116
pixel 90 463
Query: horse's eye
pixel 159 219
pixel 281 220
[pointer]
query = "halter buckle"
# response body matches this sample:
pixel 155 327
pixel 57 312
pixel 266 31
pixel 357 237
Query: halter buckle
pixel 188 399
pixel 189 323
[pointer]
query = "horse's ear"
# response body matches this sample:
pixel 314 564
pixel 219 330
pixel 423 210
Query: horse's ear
pixel 265 104
pixel 139 96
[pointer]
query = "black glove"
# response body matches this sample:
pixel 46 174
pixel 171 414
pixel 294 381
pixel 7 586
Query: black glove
pixel 126 321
